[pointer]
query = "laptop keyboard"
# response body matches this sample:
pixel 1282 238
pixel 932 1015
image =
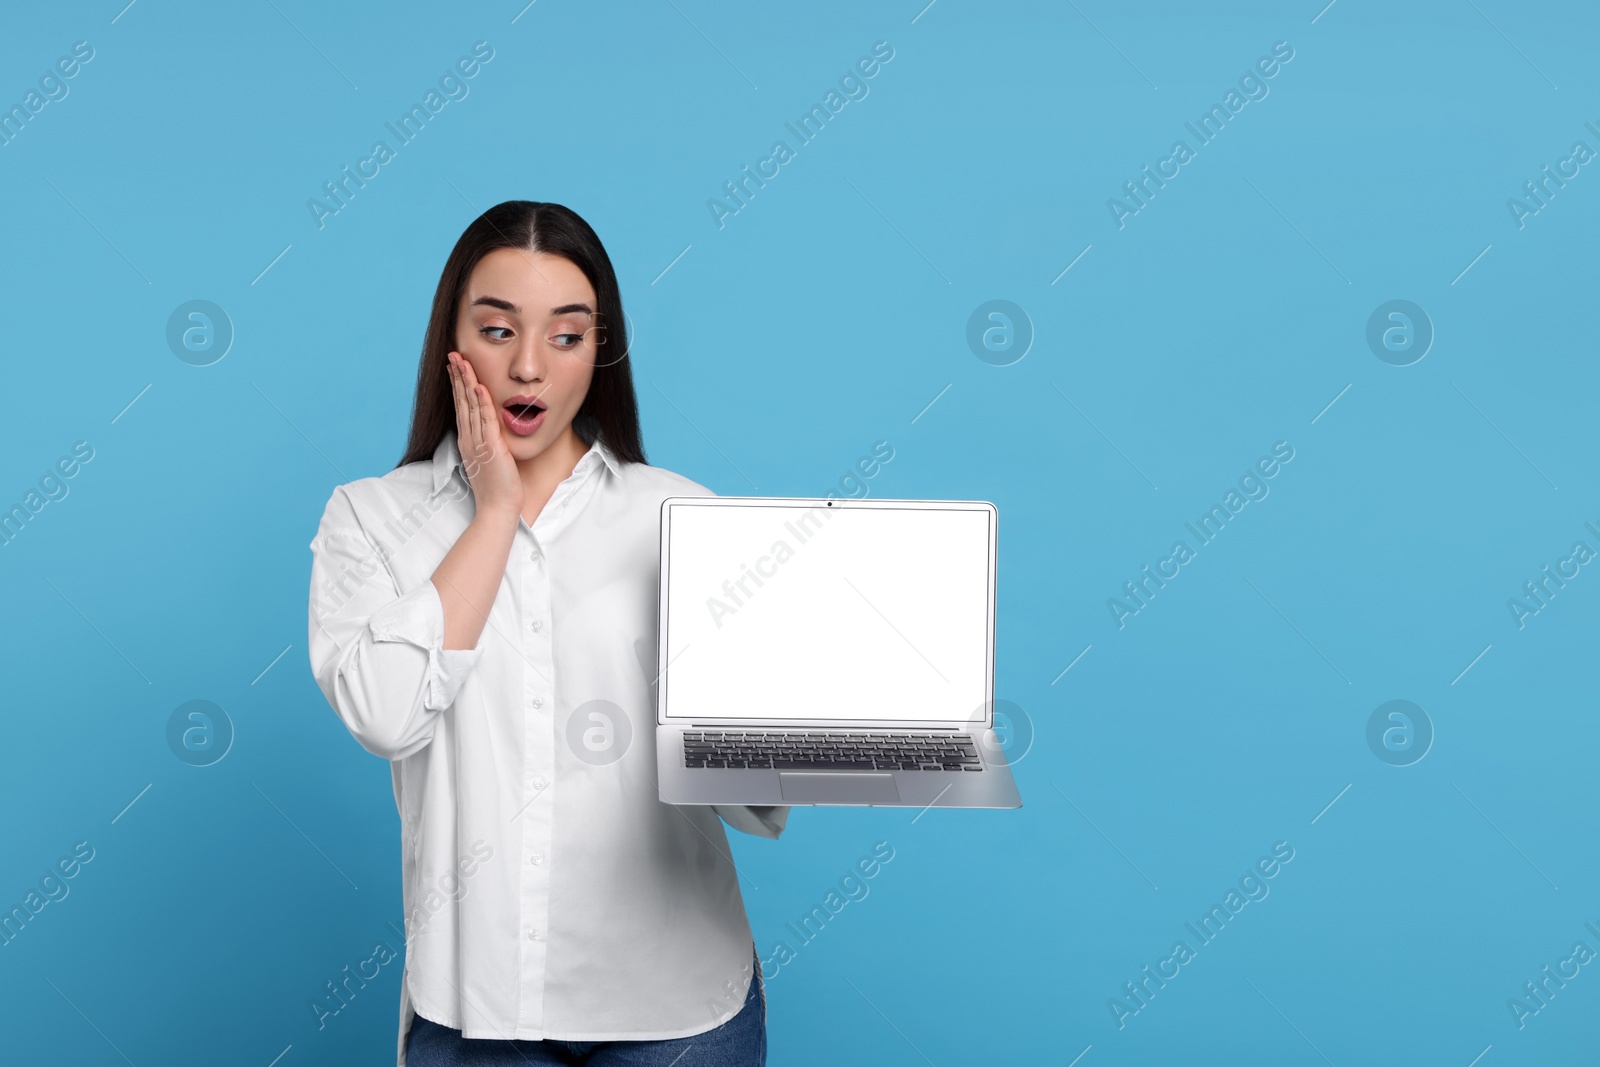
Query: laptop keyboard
pixel 830 751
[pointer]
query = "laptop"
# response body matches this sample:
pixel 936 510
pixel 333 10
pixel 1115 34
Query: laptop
pixel 828 651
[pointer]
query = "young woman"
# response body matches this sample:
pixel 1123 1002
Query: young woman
pixel 484 617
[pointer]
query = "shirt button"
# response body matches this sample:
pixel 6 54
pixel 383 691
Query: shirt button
pixel 534 555
pixel 538 782
pixel 538 702
pixel 533 935
pixel 537 625
pixel 536 859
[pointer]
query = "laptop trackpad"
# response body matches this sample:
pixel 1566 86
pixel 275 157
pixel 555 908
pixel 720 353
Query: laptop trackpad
pixel 837 787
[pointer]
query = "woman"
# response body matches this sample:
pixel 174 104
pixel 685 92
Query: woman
pixel 484 617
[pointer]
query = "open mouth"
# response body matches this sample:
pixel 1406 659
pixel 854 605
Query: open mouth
pixel 523 416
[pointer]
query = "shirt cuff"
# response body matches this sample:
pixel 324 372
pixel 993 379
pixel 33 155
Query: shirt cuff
pixel 417 618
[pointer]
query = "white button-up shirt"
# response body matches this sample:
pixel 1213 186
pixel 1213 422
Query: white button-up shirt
pixel 548 891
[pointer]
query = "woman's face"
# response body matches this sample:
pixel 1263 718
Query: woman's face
pixel 527 326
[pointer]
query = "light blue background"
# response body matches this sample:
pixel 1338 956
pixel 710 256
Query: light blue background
pixel 825 316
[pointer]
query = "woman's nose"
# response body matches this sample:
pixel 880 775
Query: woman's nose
pixel 527 364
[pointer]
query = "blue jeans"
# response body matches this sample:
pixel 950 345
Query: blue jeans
pixel 739 1042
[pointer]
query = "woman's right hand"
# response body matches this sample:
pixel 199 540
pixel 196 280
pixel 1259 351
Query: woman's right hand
pixel 491 469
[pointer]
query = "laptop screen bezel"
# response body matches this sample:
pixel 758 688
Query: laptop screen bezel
pixel 671 503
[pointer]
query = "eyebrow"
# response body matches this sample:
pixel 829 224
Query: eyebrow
pixel 506 305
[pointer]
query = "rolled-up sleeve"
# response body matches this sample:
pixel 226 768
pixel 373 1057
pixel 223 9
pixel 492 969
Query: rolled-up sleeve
pixel 378 653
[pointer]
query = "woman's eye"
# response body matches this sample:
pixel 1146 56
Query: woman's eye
pixel 576 338
pixel 488 331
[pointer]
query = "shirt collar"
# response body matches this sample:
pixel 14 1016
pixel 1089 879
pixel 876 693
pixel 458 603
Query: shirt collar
pixel 447 460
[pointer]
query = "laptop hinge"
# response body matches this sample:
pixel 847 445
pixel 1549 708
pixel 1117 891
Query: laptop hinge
pixel 832 729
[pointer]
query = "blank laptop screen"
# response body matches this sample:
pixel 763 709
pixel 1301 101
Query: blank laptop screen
pixel 798 612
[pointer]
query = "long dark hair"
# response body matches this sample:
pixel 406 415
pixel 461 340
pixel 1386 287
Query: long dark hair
pixel 610 410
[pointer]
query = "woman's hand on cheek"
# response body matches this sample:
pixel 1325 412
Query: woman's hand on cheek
pixel 491 470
